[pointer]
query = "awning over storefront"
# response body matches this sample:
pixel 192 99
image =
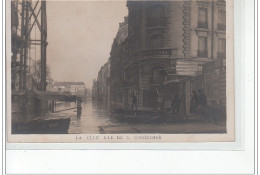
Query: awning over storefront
pixel 175 78
pixel 194 66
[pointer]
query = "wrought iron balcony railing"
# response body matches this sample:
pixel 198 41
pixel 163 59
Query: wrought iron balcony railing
pixel 158 52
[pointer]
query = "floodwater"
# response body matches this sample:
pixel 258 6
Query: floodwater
pixel 97 119
pixel 91 118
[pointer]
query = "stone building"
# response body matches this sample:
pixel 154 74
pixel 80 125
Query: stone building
pixel 101 86
pixel 169 48
pixel 94 89
pixel 117 55
pixel 72 88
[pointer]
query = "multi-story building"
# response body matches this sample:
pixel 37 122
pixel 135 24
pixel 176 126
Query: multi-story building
pixel 101 86
pixel 117 55
pixel 167 48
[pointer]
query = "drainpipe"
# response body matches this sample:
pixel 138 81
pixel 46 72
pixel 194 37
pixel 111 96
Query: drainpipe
pixel 212 31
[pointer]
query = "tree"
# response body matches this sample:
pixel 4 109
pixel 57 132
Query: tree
pixel 36 74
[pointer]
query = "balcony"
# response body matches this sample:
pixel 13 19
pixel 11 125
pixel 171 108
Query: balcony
pixel 202 53
pixel 159 52
pixel 222 27
pixel 156 22
pixel 203 25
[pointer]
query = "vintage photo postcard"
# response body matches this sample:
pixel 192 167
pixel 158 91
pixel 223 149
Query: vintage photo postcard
pixel 120 71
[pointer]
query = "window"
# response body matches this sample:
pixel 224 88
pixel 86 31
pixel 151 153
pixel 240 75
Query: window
pixel 203 18
pixel 202 51
pixel 222 48
pixel 155 16
pixel 221 20
pixel 156 42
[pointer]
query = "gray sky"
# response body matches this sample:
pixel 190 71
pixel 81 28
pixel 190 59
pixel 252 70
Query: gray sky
pixel 80 35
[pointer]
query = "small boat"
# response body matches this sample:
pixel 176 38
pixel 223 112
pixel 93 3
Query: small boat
pixel 41 126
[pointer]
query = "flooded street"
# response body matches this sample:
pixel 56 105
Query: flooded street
pixel 96 119
pixel 91 118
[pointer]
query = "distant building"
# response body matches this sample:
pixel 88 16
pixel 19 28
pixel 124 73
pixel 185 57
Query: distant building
pixel 94 89
pixel 78 88
pixel 72 88
pixel 118 52
pixel 101 86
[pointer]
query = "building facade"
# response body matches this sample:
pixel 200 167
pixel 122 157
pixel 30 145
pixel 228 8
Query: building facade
pixel 70 88
pixel 101 86
pixel 165 49
pixel 117 55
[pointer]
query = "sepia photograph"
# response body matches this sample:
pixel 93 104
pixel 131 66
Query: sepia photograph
pixel 130 87
pixel 126 71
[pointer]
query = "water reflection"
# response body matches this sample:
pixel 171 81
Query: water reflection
pixel 88 121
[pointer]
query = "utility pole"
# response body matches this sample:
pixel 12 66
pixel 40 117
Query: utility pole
pixel 21 48
pixel 43 45
pixel 26 37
